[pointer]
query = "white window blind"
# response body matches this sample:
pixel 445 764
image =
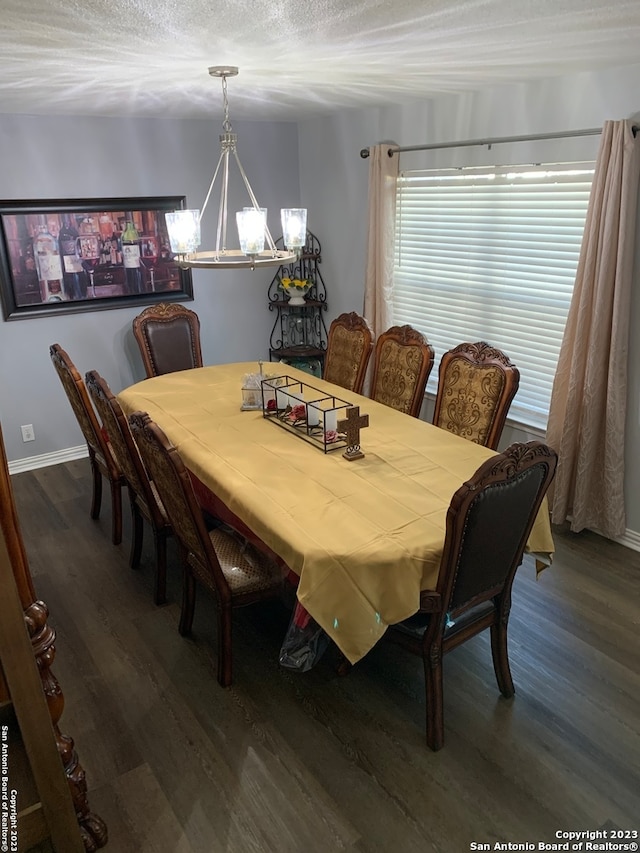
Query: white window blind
pixel 491 255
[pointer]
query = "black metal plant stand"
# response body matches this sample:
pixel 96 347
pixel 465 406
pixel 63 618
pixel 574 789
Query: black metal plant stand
pixel 299 333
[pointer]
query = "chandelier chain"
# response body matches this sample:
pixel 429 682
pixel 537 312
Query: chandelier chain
pixel 226 124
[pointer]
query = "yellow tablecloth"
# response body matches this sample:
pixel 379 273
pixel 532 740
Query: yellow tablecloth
pixel 365 536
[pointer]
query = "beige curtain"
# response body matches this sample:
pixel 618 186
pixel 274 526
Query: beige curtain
pixel 588 402
pixel 383 176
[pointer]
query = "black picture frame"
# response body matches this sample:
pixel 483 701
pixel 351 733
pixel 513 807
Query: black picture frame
pixel 57 257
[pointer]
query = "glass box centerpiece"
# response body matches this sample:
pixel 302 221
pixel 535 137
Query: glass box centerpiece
pixel 252 388
pixel 305 411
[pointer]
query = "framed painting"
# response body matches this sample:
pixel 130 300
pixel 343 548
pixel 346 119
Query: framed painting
pixel 60 257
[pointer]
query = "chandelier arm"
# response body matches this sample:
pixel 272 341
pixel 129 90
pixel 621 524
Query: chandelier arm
pixel 211 185
pixel 222 210
pixel 270 240
pixel 254 200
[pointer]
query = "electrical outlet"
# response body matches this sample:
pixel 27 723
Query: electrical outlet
pixel 28 433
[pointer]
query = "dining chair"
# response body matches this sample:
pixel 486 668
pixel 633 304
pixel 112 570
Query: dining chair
pixel 349 346
pixel 168 335
pixel 476 384
pixel 488 523
pixel 143 496
pixel 101 457
pixel 402 362
pixel 225 563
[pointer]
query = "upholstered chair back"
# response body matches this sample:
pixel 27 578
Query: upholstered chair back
pixel 489 522
pixel 168 335
pixel 476 385
pixel 402 363
pixel 349 346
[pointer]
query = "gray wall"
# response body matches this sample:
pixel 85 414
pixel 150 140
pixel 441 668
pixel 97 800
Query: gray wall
pixel 334 180
pixel 103 157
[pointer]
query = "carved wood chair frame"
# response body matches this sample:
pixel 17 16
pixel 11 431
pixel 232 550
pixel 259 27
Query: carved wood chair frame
pixel 143 498
pixel 202 552
pixel 488 523
pixel 103 463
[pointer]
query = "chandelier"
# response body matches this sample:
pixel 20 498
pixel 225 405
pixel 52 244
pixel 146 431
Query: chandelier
pixel 184 225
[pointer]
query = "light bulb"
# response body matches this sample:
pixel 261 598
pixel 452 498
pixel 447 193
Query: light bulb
pixel 183 227
pixel 252 222
pixel 294 227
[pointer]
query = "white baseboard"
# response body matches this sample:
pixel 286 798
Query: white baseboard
pixel 30 463
pixel 630 538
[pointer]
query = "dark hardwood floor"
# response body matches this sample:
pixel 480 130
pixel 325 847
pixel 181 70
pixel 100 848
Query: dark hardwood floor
pixel 294 762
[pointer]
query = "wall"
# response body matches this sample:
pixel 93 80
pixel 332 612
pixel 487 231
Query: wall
pixel 80 157
pixel 334 180
pixel 85 157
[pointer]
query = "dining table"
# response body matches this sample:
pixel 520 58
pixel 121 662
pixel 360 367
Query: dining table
pixel 363 537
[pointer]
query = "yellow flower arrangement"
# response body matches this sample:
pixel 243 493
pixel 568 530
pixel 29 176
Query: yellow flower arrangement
pixel 298 285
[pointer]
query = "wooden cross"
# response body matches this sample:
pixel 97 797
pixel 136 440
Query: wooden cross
pixel 351 426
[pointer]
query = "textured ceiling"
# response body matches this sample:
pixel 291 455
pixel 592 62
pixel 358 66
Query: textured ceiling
pixel 150 57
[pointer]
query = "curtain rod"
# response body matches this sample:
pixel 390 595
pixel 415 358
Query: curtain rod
pixel 592 131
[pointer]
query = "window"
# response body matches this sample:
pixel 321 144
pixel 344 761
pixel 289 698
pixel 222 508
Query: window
pixel 491 255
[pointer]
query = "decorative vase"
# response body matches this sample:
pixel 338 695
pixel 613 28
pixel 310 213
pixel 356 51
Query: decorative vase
pixel 298 299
